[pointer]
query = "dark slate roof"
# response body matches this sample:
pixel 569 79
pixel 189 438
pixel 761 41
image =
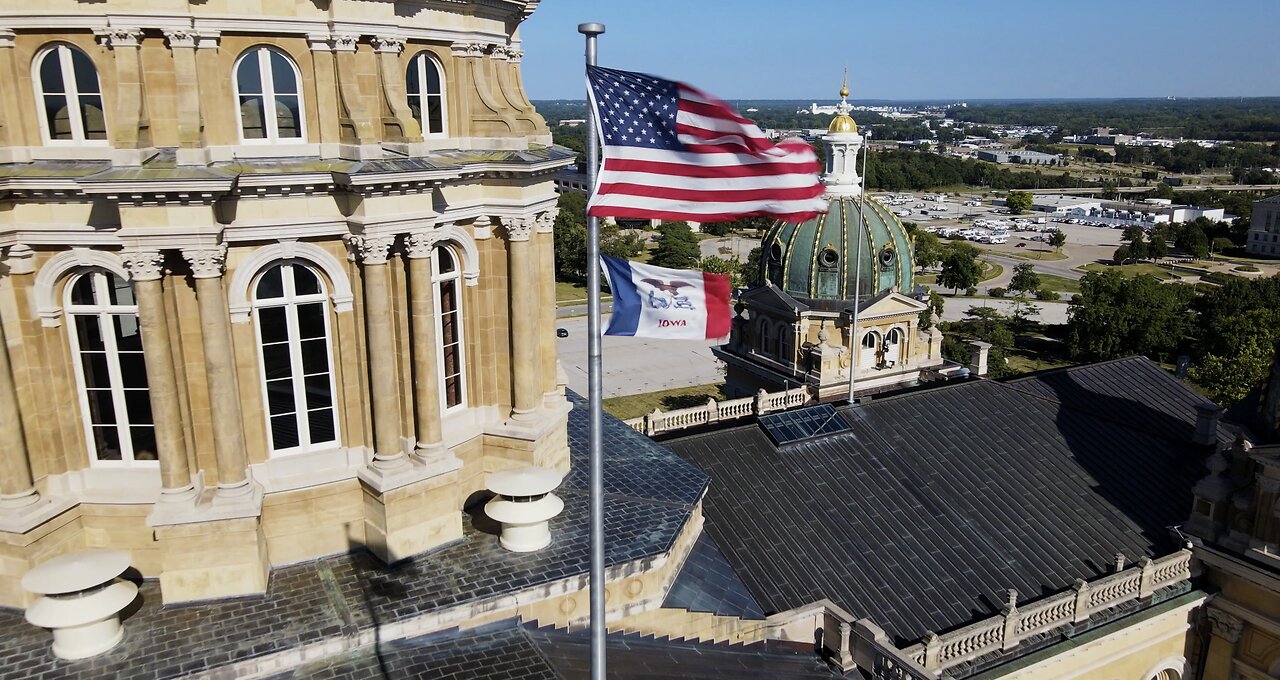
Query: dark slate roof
pixel 939 500
pixel 1134 391
pixel 505 651
pixel 707 583
pixel 649 500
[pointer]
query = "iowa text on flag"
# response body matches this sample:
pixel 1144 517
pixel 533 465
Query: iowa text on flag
pixel 675 153
pixel 657 302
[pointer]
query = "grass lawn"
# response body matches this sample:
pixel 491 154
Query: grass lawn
pixel 567 292
pixel 636 405
pixel 1131 269
pixel 1031 254
pixel 1060 284
pixel 990 270
pixel 1020 362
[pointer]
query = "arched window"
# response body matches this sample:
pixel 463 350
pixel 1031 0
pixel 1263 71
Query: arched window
pixel 291 312
pixel 870 348
pixel 783 348
pixel 69 96
pixel 893 346
pixel 425 85
pixel 269 94
pixel 111 373
pixel 446 280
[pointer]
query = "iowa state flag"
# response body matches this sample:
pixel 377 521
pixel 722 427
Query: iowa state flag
pixel 656 302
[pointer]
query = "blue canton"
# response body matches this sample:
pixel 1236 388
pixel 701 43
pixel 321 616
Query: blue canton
pixel 636 110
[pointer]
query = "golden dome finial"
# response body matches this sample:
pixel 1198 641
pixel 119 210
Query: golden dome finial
pixel 844 86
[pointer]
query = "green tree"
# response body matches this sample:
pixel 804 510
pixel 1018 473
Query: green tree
pixel 570 237
pixel 717 228
pixel 1136 238
pixel 1192 240
pixel 1121 255
pixel 932 310
pixel 1157 246
pixel 1025 278
pixel 677 246
pixel 1229 379
pixel 1018 202
pixel 751 268
pixel 1058 239
pixel 719 265
pixel 1114 316
pixel 928 249
pixel 960 269
pixel 620 244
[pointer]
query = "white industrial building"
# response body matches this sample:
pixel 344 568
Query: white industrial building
pixel 1264 229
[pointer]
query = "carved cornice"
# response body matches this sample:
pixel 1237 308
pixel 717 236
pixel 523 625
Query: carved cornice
pixel 481 228
pixel 514 55
pixel 180 37
pixel 120 36
pixel 6 37
pixel 1224 625
pixel 345 42
pixel 371 249
pixel 467 49
pixel 143 265
pixel 206 263
pixel 20 259
pixel 419 244
pixel 518 228
pixel 545 222
pixel 388 44
pixel 319 42
pixel 499 52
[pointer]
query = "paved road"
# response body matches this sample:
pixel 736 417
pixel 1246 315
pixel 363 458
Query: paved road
pixel 637 365
pixel 1087 191
pixel 954 309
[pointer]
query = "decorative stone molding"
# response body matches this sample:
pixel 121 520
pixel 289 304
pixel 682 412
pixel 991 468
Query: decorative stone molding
pixel 467 49
pixel 238 287
pixel 180 37
pixel 48 305
pixel 545 222
pixel 514 55
pixel 345 43
pixel 143 265
pixel 6 37
pixel 121 36
pixel 419 244
pixel 482 228
pixel 20 259
pixel 206 263
pixel 1224 625
pixel 371 249
pixel 499 52
pixel 207 40
pixel 457 236
pixel 388 44
pixel 319 42
pixel 518 228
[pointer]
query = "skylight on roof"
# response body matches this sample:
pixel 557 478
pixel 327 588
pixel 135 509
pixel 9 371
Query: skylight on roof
pixel 807 423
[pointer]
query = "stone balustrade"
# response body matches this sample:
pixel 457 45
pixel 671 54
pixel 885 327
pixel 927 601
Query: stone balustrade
pixel 716 411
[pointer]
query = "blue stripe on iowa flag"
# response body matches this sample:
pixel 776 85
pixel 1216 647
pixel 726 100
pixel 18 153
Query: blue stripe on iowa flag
pixel 625 317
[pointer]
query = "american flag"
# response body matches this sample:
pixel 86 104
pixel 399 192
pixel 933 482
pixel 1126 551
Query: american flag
pixel 673 152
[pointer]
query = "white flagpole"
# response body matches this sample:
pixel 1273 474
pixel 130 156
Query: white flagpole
pixel 595 384
pixel 856 342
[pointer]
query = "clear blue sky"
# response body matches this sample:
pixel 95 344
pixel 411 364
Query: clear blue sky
pixel 917 49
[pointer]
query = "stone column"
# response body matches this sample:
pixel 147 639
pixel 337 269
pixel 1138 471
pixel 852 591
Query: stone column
pixel 522 287
pixel 17 488
pixel 220 367
pixel 544 224
pixel 146 268
pixel 426 369
pixel 380 340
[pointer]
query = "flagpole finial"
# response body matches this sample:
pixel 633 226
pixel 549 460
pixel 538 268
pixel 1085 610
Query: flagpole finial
pixel 844 84
pixel 591 28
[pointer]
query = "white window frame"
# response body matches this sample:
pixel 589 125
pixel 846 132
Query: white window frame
pixel 71 91
pixel 867 355
pixel 290 301
pixel 437 281
pixel 104 314
pixel 423 59
pixel 263 54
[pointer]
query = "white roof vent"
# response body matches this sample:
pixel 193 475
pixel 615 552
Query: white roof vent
pixel 82 597
pixel 524 505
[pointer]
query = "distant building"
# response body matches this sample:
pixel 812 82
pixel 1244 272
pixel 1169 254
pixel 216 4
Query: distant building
pixel 1064 205
pixel 1264 230
pixel 1019 156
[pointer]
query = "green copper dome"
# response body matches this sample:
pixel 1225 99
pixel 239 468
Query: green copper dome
pixel 813 261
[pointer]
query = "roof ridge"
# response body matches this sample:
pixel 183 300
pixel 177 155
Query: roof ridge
pixel 1073 367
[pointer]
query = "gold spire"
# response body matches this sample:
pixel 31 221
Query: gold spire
pixel 842 122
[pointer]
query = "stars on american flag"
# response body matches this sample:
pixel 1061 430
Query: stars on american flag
pixel 637 110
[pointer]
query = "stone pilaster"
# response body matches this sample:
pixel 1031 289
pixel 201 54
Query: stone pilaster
pixel 220 367
pixel 130 128
pixel 182 45
pixel 178 492
pixel 330 112
pixel 358 125
pixel 426 369
pixel 17 488
pixel 398 123
pixel 522 277
pixel 545 242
